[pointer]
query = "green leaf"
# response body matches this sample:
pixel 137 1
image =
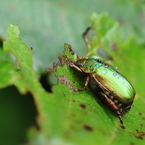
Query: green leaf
pixel 40 21
pixel 80 118
pixel 87 121
pixel 68 117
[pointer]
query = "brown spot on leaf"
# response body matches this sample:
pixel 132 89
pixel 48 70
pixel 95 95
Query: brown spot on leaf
pixel 64 80
pixel 141 134
pixel 54 67
pixel 82 106
pixel 49 70
pixel 73 115
pixel 64 94
pixel 138 134
pixel 131 143
pixel 70 50
pixel 140 113
pixel 88 128
pixel 73 100
pixel 61 59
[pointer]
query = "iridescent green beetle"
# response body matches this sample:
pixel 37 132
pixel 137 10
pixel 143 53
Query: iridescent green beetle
pixel 116 89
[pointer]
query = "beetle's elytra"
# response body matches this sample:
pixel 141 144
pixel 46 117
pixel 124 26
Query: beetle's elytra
pixel 108 79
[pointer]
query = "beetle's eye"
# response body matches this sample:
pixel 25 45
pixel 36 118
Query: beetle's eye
pixel 98 60
pixel 79 64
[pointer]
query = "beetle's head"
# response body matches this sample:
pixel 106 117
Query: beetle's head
pixel 85 65
pixel 81 63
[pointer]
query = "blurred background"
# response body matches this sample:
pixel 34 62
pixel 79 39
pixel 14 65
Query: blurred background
pixel 45 26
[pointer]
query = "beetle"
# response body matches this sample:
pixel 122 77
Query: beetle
pixel 115 88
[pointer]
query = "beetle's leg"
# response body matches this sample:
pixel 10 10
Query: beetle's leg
pixel 85 86
pixel 114 107
pixel 65 81
pixel 71 64
pixel 85 37
pixel 125 110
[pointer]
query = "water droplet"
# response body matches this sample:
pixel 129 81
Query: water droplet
pixel 98 60
pixel 97 65
pixel 106 65
pixel 114 74
pixel 104 71
pixel 91 68
pixel 95 57
pixel 113 92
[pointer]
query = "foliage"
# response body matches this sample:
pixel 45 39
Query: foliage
pixel 67 117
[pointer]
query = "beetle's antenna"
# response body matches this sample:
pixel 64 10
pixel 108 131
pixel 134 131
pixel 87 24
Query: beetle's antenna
pixel 85 37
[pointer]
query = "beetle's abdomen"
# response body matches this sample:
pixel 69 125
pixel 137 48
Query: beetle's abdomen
pixel 115 83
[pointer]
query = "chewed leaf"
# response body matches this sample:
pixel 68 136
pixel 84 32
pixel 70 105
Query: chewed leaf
pixel 68 117
pixel 105 34
pixel 85 113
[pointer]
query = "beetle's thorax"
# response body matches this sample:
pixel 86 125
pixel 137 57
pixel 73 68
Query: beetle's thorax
pixel 89 65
